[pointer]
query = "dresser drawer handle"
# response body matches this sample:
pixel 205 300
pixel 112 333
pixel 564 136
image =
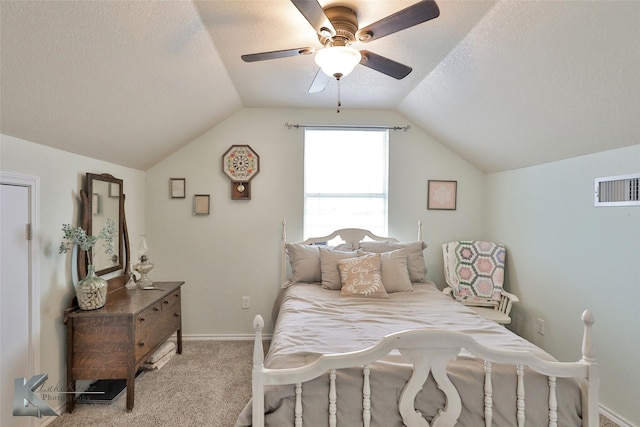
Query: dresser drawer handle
pixel 142 319
pixel 165 302
pixel 176 314
pixel 156 308
pixel 141 343
pixel 176 295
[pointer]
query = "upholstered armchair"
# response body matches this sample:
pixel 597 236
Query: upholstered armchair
pixel 474 272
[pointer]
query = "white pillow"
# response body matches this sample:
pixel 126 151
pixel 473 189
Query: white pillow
pixel 305 263
pixel 415 257
pixel 329 266
pixel 394 271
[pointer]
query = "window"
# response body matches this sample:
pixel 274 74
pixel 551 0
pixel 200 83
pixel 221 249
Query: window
pixel 345 180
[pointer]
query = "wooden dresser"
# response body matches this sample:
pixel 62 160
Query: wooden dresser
pixel 115 340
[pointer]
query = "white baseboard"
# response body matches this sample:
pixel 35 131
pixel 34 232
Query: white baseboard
pixel 615 417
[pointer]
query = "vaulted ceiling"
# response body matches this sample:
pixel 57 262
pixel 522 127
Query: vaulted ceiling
pixel 506 84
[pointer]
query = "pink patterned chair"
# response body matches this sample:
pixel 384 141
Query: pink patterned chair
pixel 474 272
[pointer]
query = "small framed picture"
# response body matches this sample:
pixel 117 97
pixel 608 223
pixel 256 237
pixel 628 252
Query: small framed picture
pixel 201 204
pixel 177 187
pixel 442 195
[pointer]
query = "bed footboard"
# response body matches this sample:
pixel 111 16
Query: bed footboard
pixel 429 351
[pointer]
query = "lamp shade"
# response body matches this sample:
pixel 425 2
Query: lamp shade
pixel 337 61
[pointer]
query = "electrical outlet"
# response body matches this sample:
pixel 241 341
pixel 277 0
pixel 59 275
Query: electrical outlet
pixel 540 326
pixel 246 302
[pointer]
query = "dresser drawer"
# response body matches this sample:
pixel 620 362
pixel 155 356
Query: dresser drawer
pixel 171 318
pixel 148 330
pixel 171 300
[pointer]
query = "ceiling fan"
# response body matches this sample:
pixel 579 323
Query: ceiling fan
pixel 337 28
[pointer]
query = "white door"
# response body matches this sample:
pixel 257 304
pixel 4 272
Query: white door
pixel 16 349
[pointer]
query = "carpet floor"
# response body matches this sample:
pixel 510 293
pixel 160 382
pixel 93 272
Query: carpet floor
pixel 207 385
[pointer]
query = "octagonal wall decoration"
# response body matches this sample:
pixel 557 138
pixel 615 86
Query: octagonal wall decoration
pixel 241 164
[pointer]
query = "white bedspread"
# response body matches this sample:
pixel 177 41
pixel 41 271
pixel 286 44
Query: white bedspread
pixel 314 321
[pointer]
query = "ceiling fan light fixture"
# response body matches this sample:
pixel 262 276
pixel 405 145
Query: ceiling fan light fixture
pixel 338 61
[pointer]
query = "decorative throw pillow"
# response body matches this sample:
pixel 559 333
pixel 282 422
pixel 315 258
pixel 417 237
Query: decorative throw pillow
pixel 361 277
pixel 414 251
pixel 394 271
pixel 305 264
pixel 329 266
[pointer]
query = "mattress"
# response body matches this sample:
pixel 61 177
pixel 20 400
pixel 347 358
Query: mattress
pixel 312 321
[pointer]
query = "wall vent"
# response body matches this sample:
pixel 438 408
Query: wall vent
pixel 621 190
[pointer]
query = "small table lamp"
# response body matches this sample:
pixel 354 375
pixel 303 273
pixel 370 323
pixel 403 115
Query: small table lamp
pixel 144 266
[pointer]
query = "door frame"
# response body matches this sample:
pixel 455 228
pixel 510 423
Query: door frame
pixel 33 184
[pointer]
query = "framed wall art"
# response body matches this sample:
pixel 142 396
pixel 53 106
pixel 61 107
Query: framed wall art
pixel 201 204
pixel 442 195
pixel 177 188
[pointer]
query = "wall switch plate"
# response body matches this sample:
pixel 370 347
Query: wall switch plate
pixel 540 326
pixel 246 302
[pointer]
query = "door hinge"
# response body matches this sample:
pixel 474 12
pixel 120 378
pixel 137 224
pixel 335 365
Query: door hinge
pixel 29 232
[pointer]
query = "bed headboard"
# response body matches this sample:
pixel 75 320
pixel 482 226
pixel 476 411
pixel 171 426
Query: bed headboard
pixel 350 236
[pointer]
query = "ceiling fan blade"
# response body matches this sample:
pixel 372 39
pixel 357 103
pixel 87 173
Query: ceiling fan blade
pixel 412 15
pixel 253 57
pixel 384 65
pixel 314 13
pixel 320 82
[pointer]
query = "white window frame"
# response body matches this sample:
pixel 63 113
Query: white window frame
pixel 384 195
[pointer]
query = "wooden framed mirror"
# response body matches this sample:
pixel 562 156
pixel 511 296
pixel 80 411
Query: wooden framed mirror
pixel 102 200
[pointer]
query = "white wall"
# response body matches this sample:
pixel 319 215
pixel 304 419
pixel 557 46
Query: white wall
pixel 566 255
pixel 62 176
pixel 235 250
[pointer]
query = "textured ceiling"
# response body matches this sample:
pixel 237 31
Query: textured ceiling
pixel 506 84
pixel 535 82
pixel 128 82
pixel 275 25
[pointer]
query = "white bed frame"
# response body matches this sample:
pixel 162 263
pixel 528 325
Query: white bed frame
pixel 429 351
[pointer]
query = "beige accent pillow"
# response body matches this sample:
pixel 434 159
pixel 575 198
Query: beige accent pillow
pixel 305 263
pixel 361 277
pixel 394 271
pixel 415 257
pixel 329 266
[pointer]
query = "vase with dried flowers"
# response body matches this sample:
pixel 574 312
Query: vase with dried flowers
pixel 92 290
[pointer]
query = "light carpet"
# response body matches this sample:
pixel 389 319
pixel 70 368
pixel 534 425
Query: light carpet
pixel 207 385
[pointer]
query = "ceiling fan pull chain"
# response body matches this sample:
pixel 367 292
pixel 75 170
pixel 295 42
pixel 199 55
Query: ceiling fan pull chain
pixel 339 103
